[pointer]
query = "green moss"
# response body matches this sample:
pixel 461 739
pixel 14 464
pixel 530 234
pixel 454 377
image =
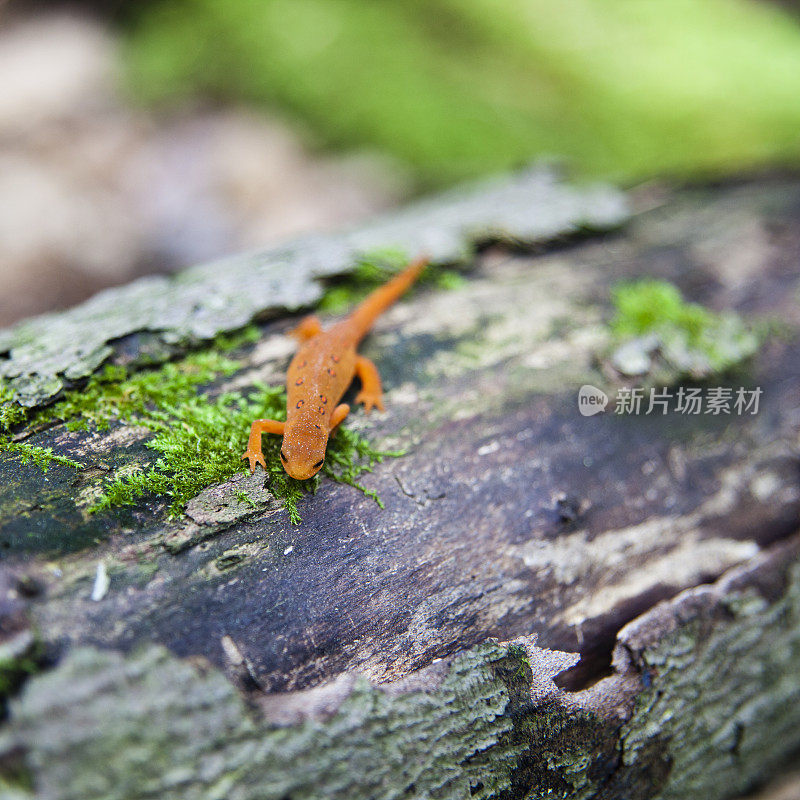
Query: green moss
pixel 11 412
pixel 455 88
pixel 245 498
pixel 524 669
pixel 691 338
pixel 113 394
pixel 104 397
pixel 646 306
pixel 197 439
pixel 373 270
pixel 227 342
pixel 117 393
pixel 42 457
pixel 13 672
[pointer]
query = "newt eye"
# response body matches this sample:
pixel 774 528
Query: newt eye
pixel 283 456
pixel 319 463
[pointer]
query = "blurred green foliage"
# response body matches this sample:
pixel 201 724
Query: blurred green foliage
pixel 455 88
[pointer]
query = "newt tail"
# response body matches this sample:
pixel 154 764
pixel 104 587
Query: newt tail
pixel 319 375
pixel 364 315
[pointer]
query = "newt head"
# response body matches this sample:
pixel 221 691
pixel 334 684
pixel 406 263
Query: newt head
pixel 303 448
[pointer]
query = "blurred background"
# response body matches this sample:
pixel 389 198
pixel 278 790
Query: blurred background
pixel 142 137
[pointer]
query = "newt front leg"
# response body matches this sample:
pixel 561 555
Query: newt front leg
pixel 259 427
pixel 337 418
pixel 308 328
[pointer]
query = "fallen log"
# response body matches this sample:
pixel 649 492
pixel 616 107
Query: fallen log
pixel 548 604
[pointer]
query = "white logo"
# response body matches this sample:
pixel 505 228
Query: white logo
pixel 591 400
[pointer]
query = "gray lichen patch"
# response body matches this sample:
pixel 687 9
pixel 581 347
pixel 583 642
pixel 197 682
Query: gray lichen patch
pixel 217 508
pixel 722 683
pixel 45 353
pixel 106 726
pixel 230 501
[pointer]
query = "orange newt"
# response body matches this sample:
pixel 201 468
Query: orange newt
pixel 319 375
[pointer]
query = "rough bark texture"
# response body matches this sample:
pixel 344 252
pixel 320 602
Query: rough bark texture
pixel 549 605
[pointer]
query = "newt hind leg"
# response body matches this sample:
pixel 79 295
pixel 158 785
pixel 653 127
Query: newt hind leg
pixel 371 394
pixel 253 453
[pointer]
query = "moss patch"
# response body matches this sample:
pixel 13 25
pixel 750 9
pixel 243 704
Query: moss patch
pixel 11 415
pixel 197 438
pixel 652 320
pixel 14 670
pixel 11 412
pixel 42 457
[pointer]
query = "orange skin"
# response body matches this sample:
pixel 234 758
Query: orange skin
pixel 319 375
